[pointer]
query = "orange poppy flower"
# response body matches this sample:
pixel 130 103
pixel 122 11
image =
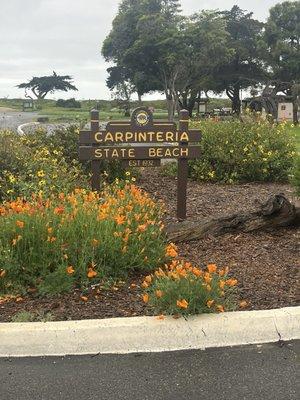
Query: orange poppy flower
pixel 59 210
pixel 142 228
pixel 20 224
pixel 243 303
pixel 171 250
pixel 145 298
pixel 220 308
pixel 91 273
pixel 148 279
pixel 70 270
pixel 182 304
pixel 212 268
pixel 209 303
pixel 159 294
pixel 231 282
pixel 84 298
pixel 120 219
pixel 222 284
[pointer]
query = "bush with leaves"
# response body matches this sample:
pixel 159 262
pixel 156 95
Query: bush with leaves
pixel 242 151
pixel 52 243
pixel 296 175
pixel 29 166
pixel 183 289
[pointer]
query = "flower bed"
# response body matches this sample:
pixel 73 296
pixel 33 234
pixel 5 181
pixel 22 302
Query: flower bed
pixel 51 245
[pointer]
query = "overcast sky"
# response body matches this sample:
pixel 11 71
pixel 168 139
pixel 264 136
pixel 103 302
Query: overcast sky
pixel 39 36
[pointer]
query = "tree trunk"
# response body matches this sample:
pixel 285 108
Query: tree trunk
pixel 139 99
pixel 275 213
pixel 170 107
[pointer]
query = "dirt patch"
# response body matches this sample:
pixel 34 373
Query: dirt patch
pixel 267 265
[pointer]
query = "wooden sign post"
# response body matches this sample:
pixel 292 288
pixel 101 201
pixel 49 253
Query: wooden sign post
pixel 142 142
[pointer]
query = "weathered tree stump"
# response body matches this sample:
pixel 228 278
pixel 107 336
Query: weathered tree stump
pixel 277 212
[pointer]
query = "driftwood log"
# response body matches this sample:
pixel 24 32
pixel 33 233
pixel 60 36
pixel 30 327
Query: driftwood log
pixel 275 213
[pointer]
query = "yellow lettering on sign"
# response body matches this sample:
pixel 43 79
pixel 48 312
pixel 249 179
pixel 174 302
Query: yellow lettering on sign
pixel 128 136
pixel 169 136
pixel 109 137
pixel 159 136
pixel 98 137
pixel 176 152
pixel 98 153
pixel 184 151
pixel 131 153
pixel 119 136
pixel 184 137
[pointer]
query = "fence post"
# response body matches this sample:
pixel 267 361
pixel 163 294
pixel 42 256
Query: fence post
pixel 95 164
pixel 182 176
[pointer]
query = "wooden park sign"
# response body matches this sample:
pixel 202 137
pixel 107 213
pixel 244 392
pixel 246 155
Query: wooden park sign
pixel 142 142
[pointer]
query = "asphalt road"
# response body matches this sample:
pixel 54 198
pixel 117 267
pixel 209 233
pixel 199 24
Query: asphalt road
pixel 267 372
pixel 12 119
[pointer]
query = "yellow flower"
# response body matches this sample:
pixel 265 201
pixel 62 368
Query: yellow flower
pixel 41 174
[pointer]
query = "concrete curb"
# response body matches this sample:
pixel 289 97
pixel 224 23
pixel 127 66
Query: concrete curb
pixel 148 334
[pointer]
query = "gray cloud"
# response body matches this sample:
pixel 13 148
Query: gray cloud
pixel 39 36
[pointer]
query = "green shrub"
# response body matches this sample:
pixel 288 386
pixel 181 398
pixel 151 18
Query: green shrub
pixel 69 103
pixel 183 289
pixel 47 163
pixel 52 244
pixel 27 166
pixel 236 151
pixel 296 175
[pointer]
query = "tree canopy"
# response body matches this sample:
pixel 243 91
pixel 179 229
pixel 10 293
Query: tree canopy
pixel 43 85
pixel 153 47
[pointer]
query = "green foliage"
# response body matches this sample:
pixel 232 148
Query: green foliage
pixel 296 175
pixel 32 164
pixel 281 41
pixel 236 151
pixel 69 103
pixel 53 243
pixel 181 289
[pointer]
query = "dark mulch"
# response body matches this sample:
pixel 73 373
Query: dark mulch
pixel 267 265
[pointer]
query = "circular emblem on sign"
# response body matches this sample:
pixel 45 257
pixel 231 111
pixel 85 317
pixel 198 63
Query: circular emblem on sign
pixel 142 118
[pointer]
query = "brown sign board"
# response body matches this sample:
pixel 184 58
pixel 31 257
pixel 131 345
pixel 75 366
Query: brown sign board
pixel 142 142
pixel 139 153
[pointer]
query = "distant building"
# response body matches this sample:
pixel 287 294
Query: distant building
pixel 285 112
